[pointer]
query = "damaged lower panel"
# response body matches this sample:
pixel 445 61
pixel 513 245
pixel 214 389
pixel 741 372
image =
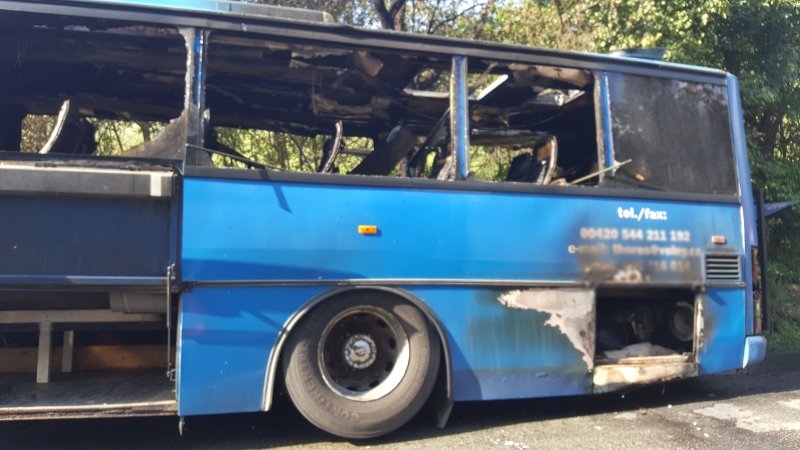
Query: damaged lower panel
pixel 612 377
pixel 571 311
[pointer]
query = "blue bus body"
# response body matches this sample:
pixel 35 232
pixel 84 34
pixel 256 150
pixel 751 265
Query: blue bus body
pixel 282 246
pixel 632 263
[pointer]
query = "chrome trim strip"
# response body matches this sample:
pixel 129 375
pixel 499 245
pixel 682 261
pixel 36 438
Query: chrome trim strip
pixel 29 178
pixel 261 176
pixel 456 282
pixel 178 354
pixel 726 284
pixel 81 281
pixel 388 282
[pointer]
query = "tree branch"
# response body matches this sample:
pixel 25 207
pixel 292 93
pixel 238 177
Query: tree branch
pixel 392 17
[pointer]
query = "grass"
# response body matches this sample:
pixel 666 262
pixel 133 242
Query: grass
pixel 784 315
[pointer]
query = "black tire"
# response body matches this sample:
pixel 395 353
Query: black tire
pixel 361 365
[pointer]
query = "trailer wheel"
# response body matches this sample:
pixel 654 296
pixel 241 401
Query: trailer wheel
pixel 361 365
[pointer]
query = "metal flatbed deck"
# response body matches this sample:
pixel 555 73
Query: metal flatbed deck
pixel 74 395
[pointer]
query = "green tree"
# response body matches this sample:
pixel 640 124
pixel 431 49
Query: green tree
pixel 560 24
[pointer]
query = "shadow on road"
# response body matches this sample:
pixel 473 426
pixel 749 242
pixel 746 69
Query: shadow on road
pixel 285 427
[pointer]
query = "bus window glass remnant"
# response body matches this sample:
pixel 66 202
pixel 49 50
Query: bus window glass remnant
pixel 676 134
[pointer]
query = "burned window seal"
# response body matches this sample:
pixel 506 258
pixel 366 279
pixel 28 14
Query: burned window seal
pixel 466 185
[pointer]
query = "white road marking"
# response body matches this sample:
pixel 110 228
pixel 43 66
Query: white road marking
pixel 748 420
pixel 794 404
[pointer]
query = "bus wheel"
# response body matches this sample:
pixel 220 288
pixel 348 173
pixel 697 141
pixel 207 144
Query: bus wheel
pixel 361 365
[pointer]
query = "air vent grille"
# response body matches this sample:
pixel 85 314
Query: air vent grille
pixel 723 267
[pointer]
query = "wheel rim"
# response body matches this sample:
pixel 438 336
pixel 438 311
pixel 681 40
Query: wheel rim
pixel 363 353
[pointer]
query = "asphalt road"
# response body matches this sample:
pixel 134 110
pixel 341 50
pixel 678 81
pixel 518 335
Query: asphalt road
pixel 759 408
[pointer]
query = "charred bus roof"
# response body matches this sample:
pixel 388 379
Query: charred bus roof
pixel 219 7
pixel 309 26
pixel 272 68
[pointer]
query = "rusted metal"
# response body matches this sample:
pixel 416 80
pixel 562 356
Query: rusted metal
pixel 612 377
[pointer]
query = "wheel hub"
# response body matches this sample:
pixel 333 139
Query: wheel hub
pixel 360 351
pixel 363 353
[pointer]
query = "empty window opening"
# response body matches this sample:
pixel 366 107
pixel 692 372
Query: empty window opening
pixel 313 108
pixel 117 85
pixel 531 124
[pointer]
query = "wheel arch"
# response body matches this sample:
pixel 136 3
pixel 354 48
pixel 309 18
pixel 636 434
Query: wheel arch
pixel 297 316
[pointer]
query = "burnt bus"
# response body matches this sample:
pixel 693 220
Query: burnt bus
pixel 204 202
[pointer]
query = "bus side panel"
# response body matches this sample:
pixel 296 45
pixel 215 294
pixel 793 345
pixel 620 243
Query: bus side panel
pixel 225 340
pixel 496 352
pixel 255 230
pixel 499 352
pixel 721 345
pixel 245 231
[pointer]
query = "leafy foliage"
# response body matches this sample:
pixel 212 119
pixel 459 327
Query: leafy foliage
pixel 35 131
pixel 784 314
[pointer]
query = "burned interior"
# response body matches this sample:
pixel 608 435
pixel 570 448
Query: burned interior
pixel 286 105
pixel 78 73
pixel 391 110
pixel 634 323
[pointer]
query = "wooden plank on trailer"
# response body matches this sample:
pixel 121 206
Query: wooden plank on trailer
pixel 120 357
pixel 91 358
